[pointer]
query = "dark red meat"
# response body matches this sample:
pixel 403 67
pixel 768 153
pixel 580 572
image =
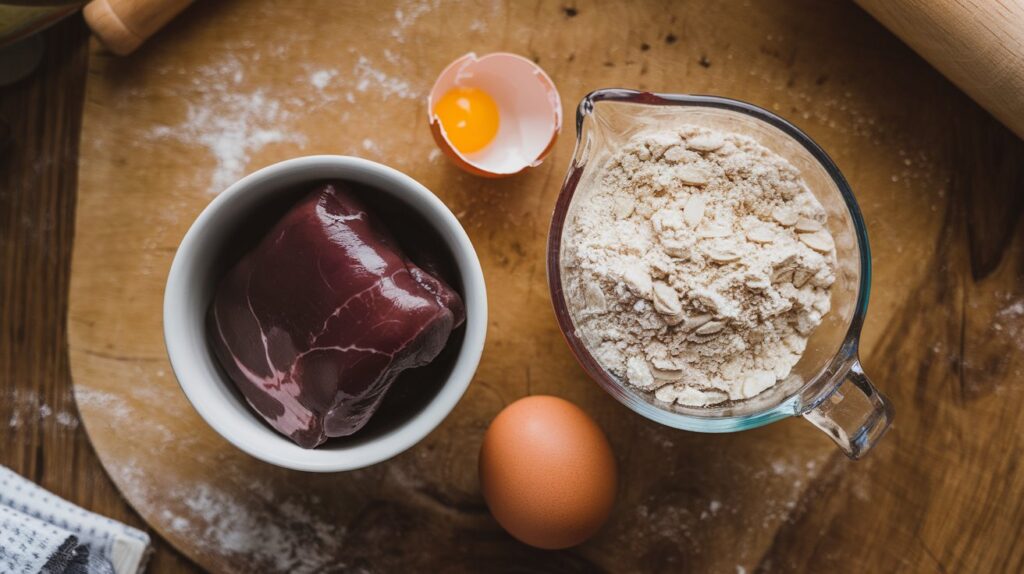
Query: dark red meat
pixel 319 319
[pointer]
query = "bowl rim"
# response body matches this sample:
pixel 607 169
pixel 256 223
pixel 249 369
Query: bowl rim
pixel 194 379
pixel 812 392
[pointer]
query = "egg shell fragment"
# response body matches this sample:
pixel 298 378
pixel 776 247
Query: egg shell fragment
pixel 547 472
pixel 529 108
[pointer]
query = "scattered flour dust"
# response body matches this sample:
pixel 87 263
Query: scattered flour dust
pixel 281 537
pixel 1008 323
pixel 230 525
pixel 1016 309
pixel 231 126
pixel 689 522
pixel 320 79
pixel 406 16
pixel 697 265
pixel 27 406
pixel 231 123
pixel 367 76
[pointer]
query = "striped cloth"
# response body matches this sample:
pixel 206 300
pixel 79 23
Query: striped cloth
pixel 43 533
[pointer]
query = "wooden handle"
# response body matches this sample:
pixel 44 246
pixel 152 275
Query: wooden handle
pixel 123 25
pixel 979 46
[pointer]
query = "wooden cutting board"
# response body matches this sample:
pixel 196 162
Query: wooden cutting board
pixel 232 86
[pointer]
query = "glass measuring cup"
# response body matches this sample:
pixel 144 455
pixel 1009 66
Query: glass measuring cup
pixel 827 386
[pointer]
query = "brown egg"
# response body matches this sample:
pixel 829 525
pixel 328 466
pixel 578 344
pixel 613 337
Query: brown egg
pixel 547 472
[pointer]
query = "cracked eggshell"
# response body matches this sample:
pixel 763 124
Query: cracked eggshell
pixel 529 111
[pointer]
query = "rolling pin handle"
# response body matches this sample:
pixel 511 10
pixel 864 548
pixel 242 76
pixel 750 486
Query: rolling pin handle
pixel 123 25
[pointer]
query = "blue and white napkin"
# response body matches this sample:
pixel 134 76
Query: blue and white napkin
pixel 43 533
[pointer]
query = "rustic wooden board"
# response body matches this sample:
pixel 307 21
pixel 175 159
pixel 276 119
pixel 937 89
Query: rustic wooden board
pixel 232 86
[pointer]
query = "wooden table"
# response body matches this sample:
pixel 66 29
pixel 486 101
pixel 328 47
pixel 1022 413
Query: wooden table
pixel 953 352
pixel 40 433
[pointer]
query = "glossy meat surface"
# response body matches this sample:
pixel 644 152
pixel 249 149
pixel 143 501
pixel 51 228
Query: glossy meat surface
pixel 319 319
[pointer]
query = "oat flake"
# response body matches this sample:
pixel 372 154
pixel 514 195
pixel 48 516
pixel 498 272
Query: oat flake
pixel 730 311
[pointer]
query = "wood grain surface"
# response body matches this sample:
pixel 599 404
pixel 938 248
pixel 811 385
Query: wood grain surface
pixel 938 180
pixel 979 46
pixel 41 436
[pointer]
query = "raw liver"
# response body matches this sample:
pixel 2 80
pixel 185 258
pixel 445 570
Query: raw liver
pixel 319 319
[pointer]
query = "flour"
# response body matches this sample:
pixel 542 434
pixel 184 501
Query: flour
pixel 320 79
pixel 237 524
pixel 408 15
pixel 231 126
pixel 698 265
pixel 233 113
pixel 367 76
pixel 27 406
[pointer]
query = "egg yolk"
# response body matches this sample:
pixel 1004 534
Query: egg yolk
pixel 469 117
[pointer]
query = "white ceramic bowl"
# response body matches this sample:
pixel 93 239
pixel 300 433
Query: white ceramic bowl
pixel 197 268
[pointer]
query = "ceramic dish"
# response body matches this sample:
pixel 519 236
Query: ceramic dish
pixel 204 255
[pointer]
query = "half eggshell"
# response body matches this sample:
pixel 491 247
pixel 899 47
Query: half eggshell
pixel 529 112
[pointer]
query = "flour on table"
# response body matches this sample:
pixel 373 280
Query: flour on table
pixel 1008 323
pixel 291 540
pixel 229 122
pixel 27 406
pixel 226 515
pixel 406 16
pixel 233 121
pixel 367 76
pixel 231 126
pixel 236 523
pixel 698 265
pixel 320 79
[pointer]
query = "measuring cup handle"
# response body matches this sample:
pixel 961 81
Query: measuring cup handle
pixel 854 414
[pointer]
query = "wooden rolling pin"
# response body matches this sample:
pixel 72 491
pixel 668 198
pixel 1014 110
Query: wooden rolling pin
pixel 978 45
pixel 123 25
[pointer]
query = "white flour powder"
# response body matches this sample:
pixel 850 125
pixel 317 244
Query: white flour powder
pixel 698 265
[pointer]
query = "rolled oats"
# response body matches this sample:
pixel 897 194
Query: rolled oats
pixel 704 283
